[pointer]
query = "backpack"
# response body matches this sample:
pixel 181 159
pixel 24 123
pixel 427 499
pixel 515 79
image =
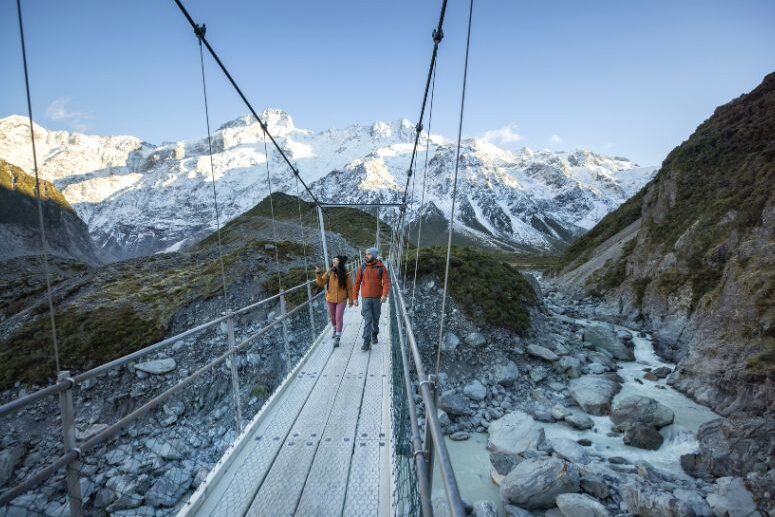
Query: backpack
pixel 379 271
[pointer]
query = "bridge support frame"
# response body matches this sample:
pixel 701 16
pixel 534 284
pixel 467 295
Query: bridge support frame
pixel 428 439
pixel 323 238
pixel 73 476
pixel 234 371
pixel 286 341
pixel 311 310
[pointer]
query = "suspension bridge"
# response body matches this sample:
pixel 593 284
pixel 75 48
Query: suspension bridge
pixel 339 435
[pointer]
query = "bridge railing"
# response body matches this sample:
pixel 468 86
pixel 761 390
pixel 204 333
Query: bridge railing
pixel 414 455
pixel 230 368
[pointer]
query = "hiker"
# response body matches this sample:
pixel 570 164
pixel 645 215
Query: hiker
pixel 338 284
pixel 373 282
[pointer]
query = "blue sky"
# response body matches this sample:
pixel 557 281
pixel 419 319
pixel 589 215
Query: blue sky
pixel 630 78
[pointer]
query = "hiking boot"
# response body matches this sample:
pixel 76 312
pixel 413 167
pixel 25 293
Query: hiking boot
pixel 336 341
pixel 365 347
pixel 374 340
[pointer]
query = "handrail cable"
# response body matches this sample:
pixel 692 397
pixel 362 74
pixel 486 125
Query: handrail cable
pixel 245 100
pixel 43 240
pixel 200 32
pixel 422 194
pixel 454 189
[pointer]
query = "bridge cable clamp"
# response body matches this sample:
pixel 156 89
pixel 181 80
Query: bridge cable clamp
pixel 200 31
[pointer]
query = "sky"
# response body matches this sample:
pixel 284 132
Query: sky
pixel 628 78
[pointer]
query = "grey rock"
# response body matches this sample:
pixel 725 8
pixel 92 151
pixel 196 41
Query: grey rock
pixel 165 449
pixel 636 409
pixel 475 339
pixel 730 498
pixel 646 501
pixel 662 372
pixel 579 420
pixel 515 511
pixel 569 450
pixel 560 412
pixel 643 437
pixel 571 366
pixel 84 432
pixel 538 373
pixel 535 483
pixel 606 339
pixel 485 509
pixel 475 390
pixel 506 374
pixel 459 436
pixel 157 366
pixel 454 403
pixel 692 503
pixel 594 369
pixel 542 352
pixel 593 393
pixel 594 484
pixel 169 488
pixel 580 505
pixel 510 438
pixel 443 417
pixel 451 342
pixel 10 458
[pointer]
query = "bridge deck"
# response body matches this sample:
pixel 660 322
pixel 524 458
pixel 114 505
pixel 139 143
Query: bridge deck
pixel 321 446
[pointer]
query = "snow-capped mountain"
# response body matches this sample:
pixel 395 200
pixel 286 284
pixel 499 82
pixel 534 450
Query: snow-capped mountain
pixel 138 198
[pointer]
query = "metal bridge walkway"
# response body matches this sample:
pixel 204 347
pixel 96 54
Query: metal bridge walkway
pixel 321 445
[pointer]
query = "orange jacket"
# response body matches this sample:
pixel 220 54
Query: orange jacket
pixel 335 293
pixel 372 280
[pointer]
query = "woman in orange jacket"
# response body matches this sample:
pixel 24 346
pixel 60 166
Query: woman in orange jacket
pixel 338 293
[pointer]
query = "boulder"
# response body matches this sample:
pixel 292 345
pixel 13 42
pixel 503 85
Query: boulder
pixel 580 505
pixel 538 373
pixel 475 390
pixel 515 511
pixel 542 352
pixel 9 460
pixel 644 500
pixel 157 366
pixel 636 409
pixel 536 483
pixel 568 449
pixel 593 393
pixel 692 503
pixel 506 374
pixel 454 403
pixel 475 339
pixel 164 449
pixel 84 432
pixel 571 366
pixel 450 343
pixel 485 509
pixel 662 372
pixel 459 436
pixel 594 369
pixel 606 339
pixel 643 437
pixel 730 498
pixel 510 439
pixel 579 420
pixel 169 488
pixel 443 417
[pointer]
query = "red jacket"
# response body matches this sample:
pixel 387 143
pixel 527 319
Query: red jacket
pixel 372 279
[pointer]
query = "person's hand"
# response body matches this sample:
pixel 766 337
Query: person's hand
pixel 350 303
pixel 384 299
pixel 317 269
pixel 355 302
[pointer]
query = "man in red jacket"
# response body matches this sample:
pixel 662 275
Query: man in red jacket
pixel 372 280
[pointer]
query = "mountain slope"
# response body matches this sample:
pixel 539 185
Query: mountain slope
pixel 692 256
pixel 139 198
pixel 67 235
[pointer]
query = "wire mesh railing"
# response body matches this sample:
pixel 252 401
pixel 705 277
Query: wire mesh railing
pixel 139 433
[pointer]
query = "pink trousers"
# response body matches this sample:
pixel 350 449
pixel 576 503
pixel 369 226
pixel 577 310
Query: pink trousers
pixel 336 314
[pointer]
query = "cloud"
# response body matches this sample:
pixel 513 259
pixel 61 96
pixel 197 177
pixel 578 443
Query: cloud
pixel 58 111
pixel 555 139
pixel 504 135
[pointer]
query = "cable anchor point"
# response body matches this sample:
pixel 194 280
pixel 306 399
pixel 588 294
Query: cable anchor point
pixel 438 35
pixel 200 31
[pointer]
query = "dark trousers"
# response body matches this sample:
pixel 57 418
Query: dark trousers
pixel 371 308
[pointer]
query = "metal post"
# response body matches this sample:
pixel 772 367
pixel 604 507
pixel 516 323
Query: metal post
pixel 311 310
pixel 234 372
pixel 377 240
pixel 73 480
pixel 428 439
pixel 323 238
pixel 283 312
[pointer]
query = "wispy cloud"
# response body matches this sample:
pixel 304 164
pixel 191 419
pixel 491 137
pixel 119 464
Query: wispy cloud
pixel 555 139
pixel 504 135
pixel 59 111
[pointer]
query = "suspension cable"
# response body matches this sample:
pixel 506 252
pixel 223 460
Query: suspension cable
pixel 203 40
pixel 454 189
pixel 422 193
pixel 200 32
pixel 271 212
pixel 43 240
